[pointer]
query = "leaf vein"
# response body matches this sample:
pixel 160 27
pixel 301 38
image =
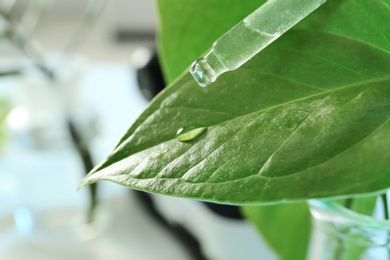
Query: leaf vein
pixel 351 39
pixel 327 60
pixel 372 22
pixel 311 167
pixel 285 78
pixel 292 133
pixel 222 144
pixel 199 108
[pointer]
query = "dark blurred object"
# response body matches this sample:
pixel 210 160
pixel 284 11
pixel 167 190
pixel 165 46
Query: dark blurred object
pixel 133 36
pixel 9 72
pixel 182 235
pixel 150 78
pixel 227 211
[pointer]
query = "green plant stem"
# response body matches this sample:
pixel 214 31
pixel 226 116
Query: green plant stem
pixel 86 158
pixel 340 250
pixel 385 205
pixel 348 203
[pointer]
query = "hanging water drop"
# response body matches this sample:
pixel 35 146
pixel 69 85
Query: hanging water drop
pixel 189 133
pixel 206 70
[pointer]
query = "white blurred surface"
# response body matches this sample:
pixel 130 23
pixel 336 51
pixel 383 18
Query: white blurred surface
pixel 128 232
pixel 57 25
pixel 109 88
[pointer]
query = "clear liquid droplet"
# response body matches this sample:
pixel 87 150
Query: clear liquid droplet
pixel 189 133
pixel 202 72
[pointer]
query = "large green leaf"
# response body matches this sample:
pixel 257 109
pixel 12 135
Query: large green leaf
pixel 306 118
pixel 286 227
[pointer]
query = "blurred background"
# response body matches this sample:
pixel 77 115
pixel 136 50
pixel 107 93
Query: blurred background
pixel 74 74
pixel 116 28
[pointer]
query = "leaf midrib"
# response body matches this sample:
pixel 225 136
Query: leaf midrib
pixel 258 173
pixel 382 79
pixel 301 99
pixel 308 168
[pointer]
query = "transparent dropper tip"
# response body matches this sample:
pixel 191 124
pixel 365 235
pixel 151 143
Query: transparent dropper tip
pixel 207 69
pixel 203 74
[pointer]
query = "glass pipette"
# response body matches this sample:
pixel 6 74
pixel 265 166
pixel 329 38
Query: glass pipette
pixel 250 36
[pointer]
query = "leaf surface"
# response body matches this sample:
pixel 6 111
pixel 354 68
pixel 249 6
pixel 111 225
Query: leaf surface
pixel 306 118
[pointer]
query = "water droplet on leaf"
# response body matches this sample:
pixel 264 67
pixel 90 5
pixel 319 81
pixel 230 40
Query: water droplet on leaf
pixel 189 133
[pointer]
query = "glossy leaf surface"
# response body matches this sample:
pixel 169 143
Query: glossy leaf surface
pixel 306 118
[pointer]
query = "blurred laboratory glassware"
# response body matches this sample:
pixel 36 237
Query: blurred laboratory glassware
pixel 42 154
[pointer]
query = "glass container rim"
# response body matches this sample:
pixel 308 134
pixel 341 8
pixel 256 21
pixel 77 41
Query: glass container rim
pixel 330 210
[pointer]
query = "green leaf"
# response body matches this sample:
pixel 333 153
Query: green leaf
pixel 364 205
pixel 286 227
pixel 306 118
pixel 361 205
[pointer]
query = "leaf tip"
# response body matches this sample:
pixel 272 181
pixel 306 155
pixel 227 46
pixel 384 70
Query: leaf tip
pixel 84 182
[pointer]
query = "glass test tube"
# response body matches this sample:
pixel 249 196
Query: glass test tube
pixel 250 36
